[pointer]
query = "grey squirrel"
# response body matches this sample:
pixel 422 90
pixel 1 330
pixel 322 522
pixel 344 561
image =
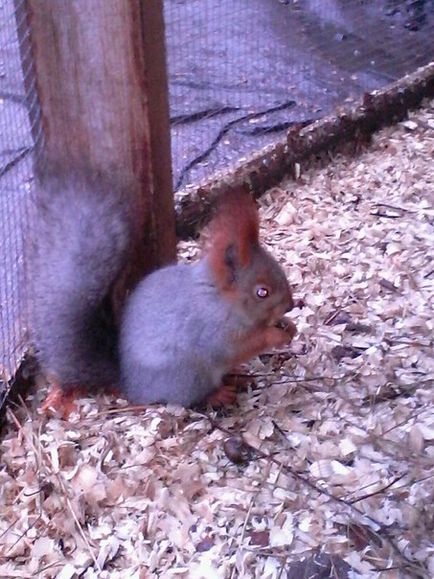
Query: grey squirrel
pixel 183 327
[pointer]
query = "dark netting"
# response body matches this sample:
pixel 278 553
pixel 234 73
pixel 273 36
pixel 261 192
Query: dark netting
pixel 241 73
pixel 16 146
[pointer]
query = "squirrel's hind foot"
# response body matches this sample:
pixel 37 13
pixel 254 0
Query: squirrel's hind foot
pixel 225 395
pixel 62 400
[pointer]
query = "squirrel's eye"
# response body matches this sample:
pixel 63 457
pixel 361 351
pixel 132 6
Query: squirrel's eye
pixel 262 292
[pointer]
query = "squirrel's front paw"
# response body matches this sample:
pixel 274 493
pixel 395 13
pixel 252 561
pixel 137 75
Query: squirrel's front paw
pixel 288 326
pixel 281 336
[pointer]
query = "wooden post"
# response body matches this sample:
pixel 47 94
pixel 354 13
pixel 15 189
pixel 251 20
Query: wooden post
pixel 101 84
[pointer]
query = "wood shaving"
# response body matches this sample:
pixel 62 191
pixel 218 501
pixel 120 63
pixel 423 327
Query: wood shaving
pixel 339 430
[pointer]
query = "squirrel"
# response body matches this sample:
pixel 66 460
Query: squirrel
pixel 182 328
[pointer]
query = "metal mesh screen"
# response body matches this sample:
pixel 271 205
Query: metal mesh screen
pixel 241 73
pixel 16 145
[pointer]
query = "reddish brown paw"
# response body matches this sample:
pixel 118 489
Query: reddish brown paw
pixel 226 395
pixel 289 327
pixel 62 402
pixel 278 337
pixel 113 391
pixel 239 381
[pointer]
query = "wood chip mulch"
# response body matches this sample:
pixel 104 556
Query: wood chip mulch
pixel 324 468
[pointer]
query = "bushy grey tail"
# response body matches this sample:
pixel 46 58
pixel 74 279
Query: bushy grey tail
pixel 79 246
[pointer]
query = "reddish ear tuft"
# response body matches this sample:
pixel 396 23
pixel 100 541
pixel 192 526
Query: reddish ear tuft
pixel 235 227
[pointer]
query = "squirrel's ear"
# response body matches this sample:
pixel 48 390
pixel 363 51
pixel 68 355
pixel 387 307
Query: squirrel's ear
pixel 233 235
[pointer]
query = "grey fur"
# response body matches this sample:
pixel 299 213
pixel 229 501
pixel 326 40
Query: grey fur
pixel 179 334
pixel 77 251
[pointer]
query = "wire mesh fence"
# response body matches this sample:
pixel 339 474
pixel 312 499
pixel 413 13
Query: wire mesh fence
pixel 16 145
pixel 240 75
